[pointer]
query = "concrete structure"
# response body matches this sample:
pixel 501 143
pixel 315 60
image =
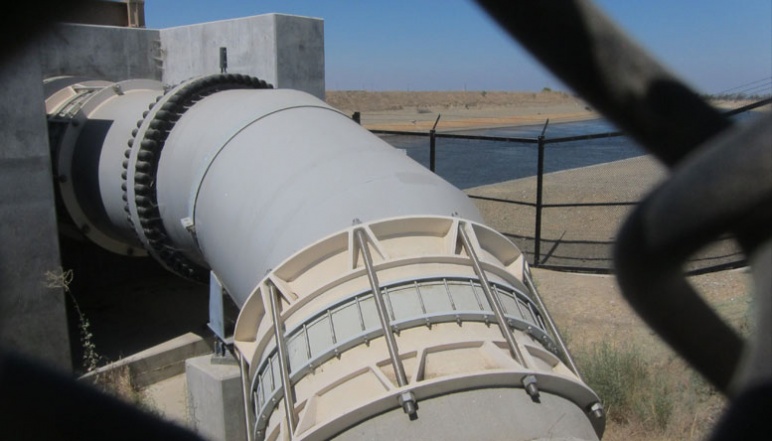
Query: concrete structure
pixel 32 315
pixel 102 52
pixel 284 50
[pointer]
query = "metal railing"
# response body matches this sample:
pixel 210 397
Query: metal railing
pixel 567 246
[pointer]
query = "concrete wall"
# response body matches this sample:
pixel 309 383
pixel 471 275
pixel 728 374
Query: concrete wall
pixel 102 52
pixel 32 316
pixel 287 51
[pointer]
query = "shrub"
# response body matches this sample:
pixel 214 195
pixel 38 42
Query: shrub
pixel 628 386
pixel 61 279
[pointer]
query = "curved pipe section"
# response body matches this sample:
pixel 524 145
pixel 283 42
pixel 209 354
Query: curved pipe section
pixel 309 222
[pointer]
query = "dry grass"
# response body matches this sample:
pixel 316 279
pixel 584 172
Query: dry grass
pixel 118 383
pixel 648 397
pixel 650 392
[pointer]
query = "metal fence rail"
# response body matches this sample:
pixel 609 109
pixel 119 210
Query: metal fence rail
pixel 568 220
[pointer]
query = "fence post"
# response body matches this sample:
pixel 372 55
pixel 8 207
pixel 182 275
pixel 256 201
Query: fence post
pixel 433 144
pixel 539 191
pixel 432 149
pixel 539 202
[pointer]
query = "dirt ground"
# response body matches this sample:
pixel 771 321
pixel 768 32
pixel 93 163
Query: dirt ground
pixel 591 308
pixel 418 111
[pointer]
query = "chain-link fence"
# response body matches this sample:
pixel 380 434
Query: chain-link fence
pixel 560 193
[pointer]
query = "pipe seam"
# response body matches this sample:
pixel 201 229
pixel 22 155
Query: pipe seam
pixel 145 218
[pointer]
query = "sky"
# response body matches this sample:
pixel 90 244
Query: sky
pixel 714 45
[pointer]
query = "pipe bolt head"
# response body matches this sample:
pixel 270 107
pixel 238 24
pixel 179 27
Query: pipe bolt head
pixel 530 384
pixel 597 410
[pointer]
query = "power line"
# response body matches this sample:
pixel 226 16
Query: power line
pixel 759 89
pixel 752 83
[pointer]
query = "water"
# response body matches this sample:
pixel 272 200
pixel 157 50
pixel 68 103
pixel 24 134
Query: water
pixel 471 163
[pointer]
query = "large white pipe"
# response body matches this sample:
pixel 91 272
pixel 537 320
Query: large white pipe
pixel 368 286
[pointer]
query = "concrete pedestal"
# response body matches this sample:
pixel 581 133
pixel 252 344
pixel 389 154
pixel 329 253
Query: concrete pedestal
pixel 215 402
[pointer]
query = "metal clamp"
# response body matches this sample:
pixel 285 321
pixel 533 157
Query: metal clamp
pixel 406 400
pixel 281 344
pixel 493 300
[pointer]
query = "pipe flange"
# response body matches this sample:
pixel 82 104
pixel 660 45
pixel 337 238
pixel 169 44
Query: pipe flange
pixel 70 104
pixel 143 157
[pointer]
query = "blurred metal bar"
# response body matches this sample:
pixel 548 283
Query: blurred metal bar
pixel 716 191
pixel 580 45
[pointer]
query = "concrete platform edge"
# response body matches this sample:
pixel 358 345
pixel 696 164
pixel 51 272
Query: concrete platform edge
pixel 159 362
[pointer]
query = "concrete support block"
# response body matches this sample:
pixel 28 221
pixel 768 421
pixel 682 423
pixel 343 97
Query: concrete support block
pixel 215 401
